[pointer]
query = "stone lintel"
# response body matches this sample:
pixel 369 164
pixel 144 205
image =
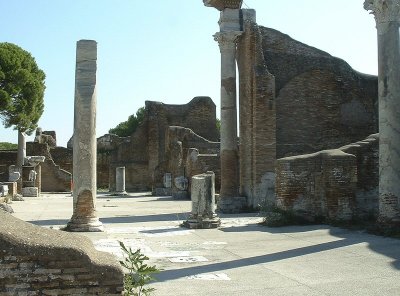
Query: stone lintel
pixel 384 10
pixel 223 4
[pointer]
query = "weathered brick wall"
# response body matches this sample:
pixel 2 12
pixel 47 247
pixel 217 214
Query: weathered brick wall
pixel 321 102
pixel 54 178
pixel 40 261
pixel 334 184
pixel 367 195
pixel 257 119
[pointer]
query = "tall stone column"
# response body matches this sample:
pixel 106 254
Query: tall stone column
pixel 230 30
pixel 387 16
pixel 84 217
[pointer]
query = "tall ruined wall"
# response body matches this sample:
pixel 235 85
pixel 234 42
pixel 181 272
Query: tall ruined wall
pixel 257 119
pixel 321 102
pixel 39 261
pixel 334 184
pixel 295 99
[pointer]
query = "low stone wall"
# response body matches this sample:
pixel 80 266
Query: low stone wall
pixel 40 261
pixel 338 184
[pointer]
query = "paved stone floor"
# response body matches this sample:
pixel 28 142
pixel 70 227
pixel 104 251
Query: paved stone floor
pixel 241 257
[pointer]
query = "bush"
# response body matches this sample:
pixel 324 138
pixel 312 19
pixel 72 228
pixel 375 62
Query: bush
pixel 139 274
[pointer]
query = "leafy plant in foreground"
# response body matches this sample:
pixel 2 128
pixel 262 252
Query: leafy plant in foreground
pixel 139 274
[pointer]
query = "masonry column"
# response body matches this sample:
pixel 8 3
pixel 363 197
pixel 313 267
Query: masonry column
pixel 84 217
pixel 387 16
pixel 120 181
pixel 230 30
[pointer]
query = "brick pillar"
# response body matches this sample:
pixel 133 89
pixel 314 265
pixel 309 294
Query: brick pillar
pixel 84 217
pixel 387 16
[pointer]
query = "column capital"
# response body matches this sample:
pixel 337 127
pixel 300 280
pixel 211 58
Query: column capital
pixel 384 10
pixel 227 40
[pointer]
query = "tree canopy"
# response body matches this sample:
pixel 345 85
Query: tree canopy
pixel 21 88
pixel 127 128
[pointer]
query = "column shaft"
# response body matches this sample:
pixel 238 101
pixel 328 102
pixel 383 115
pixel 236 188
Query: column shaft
pixel 84 216
pixel 387 16
pixel 389 120
pixel 229 145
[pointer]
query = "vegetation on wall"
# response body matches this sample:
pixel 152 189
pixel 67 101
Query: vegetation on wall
pixel 127 128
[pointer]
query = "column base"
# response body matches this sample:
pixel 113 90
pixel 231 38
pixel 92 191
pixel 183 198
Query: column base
pixel 202 223
pixel 232 205
pixel 84 225
pixel 120 193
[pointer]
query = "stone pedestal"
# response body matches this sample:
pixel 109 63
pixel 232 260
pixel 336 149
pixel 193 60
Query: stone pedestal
pixel 12 188
pixel 30 192
pixel 387 16
pixel 84 217
pixel 120 181
pixel 203 202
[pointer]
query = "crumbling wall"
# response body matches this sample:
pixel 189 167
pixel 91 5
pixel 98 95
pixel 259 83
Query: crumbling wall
pixel 54 178
pixel 144 153
pixel 40 261
pixel 338 184
pixel 180 141
pixel 321 102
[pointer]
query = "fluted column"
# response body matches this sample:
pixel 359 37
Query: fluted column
pixel 387 16
pixel 84 216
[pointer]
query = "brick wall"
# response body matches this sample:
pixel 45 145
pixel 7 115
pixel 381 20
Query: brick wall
pixel 334 184
pixel 40 261
pixel 321 102
pixel 295 99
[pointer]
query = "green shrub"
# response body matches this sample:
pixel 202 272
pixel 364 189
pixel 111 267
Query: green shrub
pixel 139 274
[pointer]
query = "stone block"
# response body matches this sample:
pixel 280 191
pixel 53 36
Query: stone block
pixel 3 190
pixel 30 192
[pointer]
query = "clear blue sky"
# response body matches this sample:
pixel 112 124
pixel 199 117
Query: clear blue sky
pixel 161 50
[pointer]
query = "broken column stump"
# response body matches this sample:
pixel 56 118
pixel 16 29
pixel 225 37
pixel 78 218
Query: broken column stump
pixel 120 181
pixel 203 214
